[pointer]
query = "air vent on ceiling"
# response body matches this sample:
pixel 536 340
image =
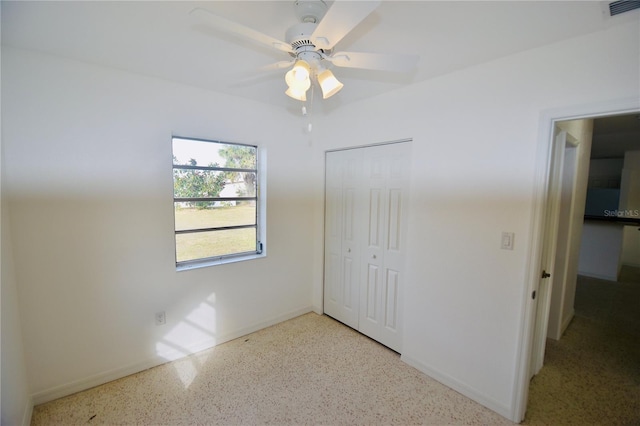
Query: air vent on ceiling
pixel 622 6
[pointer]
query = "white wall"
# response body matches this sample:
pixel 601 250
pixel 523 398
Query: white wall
pixel 600 250
pixel 16 402
pixel 630 206
pixel 475 141
pixel 88 169
pixel 15 396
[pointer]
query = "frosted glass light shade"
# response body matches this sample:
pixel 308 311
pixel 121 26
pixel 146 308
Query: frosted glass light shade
pixel 301 70
pixel 297 89
pixel 293 82
pixel 299 95
pixel 288 78
pixel 329 84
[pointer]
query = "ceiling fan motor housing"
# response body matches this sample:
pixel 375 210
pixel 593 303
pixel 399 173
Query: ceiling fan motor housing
pixel 299 37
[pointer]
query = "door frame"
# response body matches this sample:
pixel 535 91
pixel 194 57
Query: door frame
pixel 544 161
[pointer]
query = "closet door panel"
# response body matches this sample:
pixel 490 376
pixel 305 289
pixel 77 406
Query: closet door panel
pixel 366 191
pixel 352 235
pixel 333 283
pixel 394 221
pixel 342 236
pixel 395 228
pixel 375 218
pixel 391 287
pixel 373 186
pixel 371 296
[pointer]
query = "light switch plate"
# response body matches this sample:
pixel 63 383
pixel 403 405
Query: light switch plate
pixel 507 241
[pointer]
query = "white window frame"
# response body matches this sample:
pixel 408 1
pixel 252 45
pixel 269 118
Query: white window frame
pixel 260 199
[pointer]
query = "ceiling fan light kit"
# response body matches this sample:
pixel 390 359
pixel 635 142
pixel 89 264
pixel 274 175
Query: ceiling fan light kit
pixel 329 84
pixel 310 43
pixel 301 70
pixel 297 94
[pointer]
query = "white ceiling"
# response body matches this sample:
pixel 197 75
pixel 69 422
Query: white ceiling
pixel 159 39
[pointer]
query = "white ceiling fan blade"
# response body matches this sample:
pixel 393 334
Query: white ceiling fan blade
pixel 259 75
pixel 374 61
pixel 340 19
pixel 277 66
pixel 223 24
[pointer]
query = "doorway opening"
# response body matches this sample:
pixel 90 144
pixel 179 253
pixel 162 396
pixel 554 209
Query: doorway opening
pixel 584 191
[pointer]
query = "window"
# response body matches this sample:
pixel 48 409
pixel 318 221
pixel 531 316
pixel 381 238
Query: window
pixel 216 205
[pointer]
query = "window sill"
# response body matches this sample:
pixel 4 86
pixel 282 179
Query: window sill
pixel 208 263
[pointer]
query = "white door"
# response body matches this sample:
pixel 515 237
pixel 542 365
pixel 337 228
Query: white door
pixel 343 231
pixel 365 231
pixel 385 170
pixel 542 295
pixel 559 282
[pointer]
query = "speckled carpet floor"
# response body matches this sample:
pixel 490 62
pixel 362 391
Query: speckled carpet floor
pixel 308 370
pixel 591 376
pixel 314 370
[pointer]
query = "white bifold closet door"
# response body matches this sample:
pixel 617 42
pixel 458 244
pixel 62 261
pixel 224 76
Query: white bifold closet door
pixel 365 233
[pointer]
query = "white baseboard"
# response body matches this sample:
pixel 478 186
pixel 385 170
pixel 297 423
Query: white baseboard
pixel 460 387
pixel 118 373
pixel 598 276
pixel 264 324
pixel 94 380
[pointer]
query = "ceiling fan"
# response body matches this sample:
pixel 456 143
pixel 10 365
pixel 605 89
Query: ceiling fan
pixel 310 44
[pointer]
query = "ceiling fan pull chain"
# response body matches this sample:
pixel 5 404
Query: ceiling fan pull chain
pixel 310 109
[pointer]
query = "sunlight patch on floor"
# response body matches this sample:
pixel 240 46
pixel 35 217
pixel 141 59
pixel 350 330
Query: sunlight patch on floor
pixel 196 332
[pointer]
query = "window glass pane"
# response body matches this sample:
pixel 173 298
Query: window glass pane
pixel 198 183
pixel 204 153
pixel 200 245
pixel 198 215
pixel 239 184
pixel 238 156
pixel 196 153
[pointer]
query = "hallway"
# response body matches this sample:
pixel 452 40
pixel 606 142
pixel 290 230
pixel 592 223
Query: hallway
pixel 592 375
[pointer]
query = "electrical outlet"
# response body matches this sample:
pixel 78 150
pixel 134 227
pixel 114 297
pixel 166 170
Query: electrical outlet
pixel 161 318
